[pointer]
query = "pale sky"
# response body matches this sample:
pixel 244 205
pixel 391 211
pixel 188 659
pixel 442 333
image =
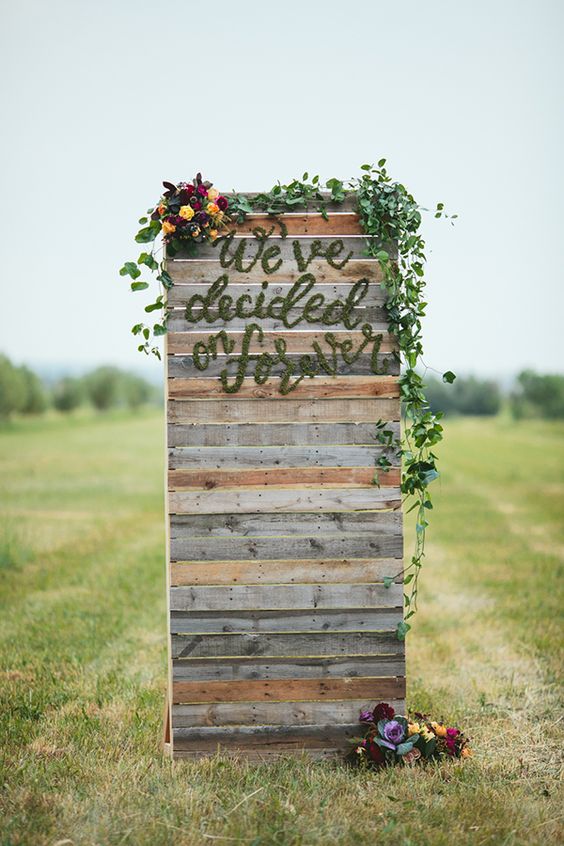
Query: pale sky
pixel 102 100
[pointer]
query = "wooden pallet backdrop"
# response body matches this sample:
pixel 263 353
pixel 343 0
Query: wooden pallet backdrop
pixel 280 626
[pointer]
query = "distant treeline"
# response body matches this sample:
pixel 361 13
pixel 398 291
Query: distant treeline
pixel 534 395
pixel 23 392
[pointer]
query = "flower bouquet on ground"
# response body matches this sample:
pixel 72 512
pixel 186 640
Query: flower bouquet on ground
pixel 391 739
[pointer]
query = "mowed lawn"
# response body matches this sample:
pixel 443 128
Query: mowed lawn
pixel 82 656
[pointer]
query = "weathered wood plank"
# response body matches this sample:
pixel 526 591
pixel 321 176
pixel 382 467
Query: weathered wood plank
pixel 259 756
pixel 182 343
pixel 274 499
pixel 289 620
pixel 288 690
pixel 274 713
pixel 300 224
pixel 282 524
pixel 318 387
pixel 286 667
pixel 281 597
pixel 376 316
pixel 346 248
pixel 275 434
pixel 206 272
pixel 261 738
pixel 183 366
pixel 243 549
pixel 291 571
pixel 275 456
pixel 298 644
pixel 284 410
pixel 209 479
pixel 178 295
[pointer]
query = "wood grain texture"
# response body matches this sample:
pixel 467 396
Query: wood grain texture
pixel 275 456
pixel 285 525
pixel 244 549
pixel 289 620
pixel 280 571
pixel 274 499
pixel 347 223
pixel 178 295
pixel 284 597
pixel 376 316
pixel 208 479
pixel 298 644
pixel 275 434
pixel 264 738
pixel 318 387
pixel 275 713
pixel 183 366
pixel 353 246
pixel 286 667
pixel 297 341
pixel 206 272
pixel 285 410
pixel 288 690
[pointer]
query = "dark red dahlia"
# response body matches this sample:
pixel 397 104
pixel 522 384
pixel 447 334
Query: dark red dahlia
pixel 383 711
pixel 222 203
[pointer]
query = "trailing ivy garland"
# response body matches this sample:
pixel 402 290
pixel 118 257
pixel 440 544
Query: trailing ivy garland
pixel 389 216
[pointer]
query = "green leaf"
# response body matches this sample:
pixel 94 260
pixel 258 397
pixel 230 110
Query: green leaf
pixel 402 629
pixel 449 377
pixel 145 236
pixel 130 269
pixel 388 581
pixel 148 260
pixel 159 329
pixel 366 167
pixel 382 162
pixel 382 255
pixel 139 286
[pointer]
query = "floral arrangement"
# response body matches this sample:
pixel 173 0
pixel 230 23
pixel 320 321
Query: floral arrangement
pixel 391 739
pixel 193 211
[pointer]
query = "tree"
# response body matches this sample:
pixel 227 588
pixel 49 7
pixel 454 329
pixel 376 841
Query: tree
pixel 136 390
pixel 538 395
pixel 12 388
pixel 36 398
pixel 469 396
pixel 68 394
pixel 103 387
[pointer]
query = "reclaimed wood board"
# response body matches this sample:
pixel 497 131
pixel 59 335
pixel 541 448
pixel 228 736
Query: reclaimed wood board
pixel 284 524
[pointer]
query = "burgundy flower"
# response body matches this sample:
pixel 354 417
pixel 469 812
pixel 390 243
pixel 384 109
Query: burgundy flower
pixel 375 753
pixel 202 190
pixel 178 221
pixel 450 746
pixel 452 733
pixel 202 218
pixel 196 204
pixel 366 717
pixel 383 711
pixel 222 203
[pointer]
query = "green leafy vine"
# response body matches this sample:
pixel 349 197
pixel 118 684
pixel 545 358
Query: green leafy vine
pixel 391 220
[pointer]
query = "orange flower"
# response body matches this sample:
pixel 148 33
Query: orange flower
pixel 161 209
pixel 213 234
pixel 439 729
pixel 466 752
pixel 212 209
pixel 168 228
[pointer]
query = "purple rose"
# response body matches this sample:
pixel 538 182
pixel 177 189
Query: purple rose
pixel 366 717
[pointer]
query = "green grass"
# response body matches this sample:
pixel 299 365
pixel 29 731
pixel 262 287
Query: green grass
pixel 82 656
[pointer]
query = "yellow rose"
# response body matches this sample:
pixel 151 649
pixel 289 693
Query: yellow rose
pixel 211 209
pixel 439 729
pixel 187 212
pixel 413 728
pixel 213 194
pixel 168 228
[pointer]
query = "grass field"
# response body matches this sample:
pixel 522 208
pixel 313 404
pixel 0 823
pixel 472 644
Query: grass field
pixel 82 656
